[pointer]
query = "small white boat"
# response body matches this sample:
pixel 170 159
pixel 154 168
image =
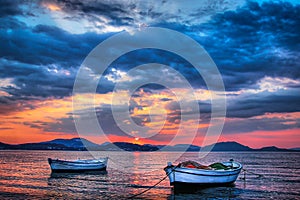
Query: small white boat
pixel 193 173
pixel 77 165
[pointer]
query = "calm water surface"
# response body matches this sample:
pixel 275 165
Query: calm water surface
pixel 27 175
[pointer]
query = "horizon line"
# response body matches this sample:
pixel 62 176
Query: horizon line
pixel 151 144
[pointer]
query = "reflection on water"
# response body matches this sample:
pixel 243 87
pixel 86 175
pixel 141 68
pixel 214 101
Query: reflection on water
pixel 27 175
pixel 230 192
pixel 77 174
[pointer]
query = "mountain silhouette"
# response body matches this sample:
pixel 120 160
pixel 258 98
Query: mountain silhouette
pixel 81 144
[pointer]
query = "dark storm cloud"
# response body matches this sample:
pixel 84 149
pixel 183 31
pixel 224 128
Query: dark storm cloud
pixel 9 23
pixel 41 60
pixel 35 124
pixel 104 116
pixel 9 8
pixel 119 13
pixel 145 56
pixel 35 81
pixel 265 124
pixel 247 44
pixel 61 125
pixel 64 125
pixel 15 103
pixel 254 41
pixel 44 44
pixel 251 42
pixel 255 106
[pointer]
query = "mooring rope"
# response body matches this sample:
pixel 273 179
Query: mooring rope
pixel 153 186
pixel 247 171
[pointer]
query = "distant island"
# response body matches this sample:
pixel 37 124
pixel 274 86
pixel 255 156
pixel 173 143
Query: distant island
pixel 81 144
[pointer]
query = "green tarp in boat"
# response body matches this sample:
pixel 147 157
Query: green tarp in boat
pixel 218 166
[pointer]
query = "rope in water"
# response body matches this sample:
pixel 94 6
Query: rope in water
pixel 153 186
pixel 249 172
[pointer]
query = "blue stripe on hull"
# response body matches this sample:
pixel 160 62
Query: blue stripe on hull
pixel 76 170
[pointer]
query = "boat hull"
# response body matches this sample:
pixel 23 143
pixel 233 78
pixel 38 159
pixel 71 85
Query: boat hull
pixel 77 166
pixel 202 177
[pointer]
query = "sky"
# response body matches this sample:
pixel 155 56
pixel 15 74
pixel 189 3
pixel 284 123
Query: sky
pixel 254 44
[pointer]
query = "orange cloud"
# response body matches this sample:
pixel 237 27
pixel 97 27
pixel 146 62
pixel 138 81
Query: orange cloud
pixel 22 126
pixel 52 7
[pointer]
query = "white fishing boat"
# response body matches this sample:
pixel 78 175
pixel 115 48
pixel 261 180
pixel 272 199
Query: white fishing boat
pixel 193 173
pixel 77 165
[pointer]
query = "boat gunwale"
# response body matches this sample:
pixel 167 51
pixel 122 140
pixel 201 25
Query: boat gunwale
pixel 86 162
pixel 207 174
pixel 240 166
pixel 78 170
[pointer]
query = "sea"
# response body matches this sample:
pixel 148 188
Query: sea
pixel 27 175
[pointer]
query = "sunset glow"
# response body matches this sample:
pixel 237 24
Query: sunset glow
pixel 150 95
